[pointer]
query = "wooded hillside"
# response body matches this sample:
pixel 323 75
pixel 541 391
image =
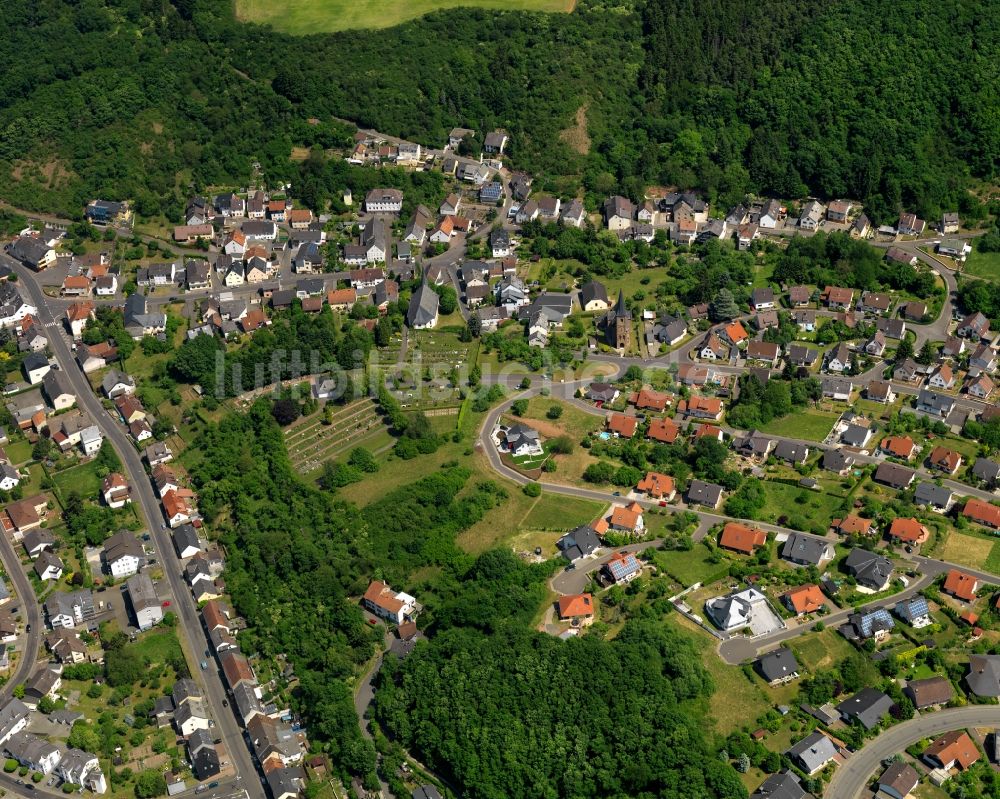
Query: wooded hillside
pixel 893 103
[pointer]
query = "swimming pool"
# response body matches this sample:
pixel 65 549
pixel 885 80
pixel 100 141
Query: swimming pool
pixel 604 436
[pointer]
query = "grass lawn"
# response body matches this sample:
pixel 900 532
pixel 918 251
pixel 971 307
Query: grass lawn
pixel 554 512
pixel 573 422
pixel 970 550
pixel 810 510
pixel 31 479
pixel 807 425
pixel 983 264
pixel 19 451
pixel 82 478
pixel 632 282
pixel 737 701
pixel 158 647
pixel 820 650
pixel 693 566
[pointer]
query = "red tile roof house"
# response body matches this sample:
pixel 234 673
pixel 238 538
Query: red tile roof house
pixel 701 407
pixel 740 538
pixel 837 297
pixel 647 399
pixel 657 486
pixel 805 599
pixel 899 446
pixel 628 519
pixel 664 430
pixel 852 525
pixel 945 460
pixel 385 603
pixel 954 749
pixel 735 334
pixel 621 425
pixel 982 512
pixel 961 585
pixel 908 531
pixel 576 608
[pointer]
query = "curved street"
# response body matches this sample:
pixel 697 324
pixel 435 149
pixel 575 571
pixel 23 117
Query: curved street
pixel 850 779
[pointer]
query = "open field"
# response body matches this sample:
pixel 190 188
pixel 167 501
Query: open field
pixel 970 550
pixel 807 425
pixel 810 510
pixel 820 650
pixel 554 512
pixel 983 264
pixel 319 16
pixel 83 479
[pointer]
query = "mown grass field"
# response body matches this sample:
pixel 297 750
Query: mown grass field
pixel 322 16
pixel 983 264
pixel 807 425
pixel 971 550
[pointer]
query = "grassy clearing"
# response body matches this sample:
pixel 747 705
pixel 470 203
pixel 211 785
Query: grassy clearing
pixel 737 701
pixel 811 510
pixel 807 425
pixel 553 512
pixel 574 422
pixel 983 264
pixel 82 479
pixel 693 566
pixel 820 650
pixel 970 550
pixel 19 451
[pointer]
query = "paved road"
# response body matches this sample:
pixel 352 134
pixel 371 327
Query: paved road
pixel 362 701
pixel 32 617
pixel 850 780
pixel 142 489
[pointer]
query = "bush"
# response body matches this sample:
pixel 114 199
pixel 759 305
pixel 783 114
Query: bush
pixel 10 766
pixel 533 490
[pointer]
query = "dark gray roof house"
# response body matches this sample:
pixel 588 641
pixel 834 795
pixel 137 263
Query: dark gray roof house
pixel 589 292
pixel 702 493
pixel 423 308
pixel 778 665
pixel 933 403
pixel 983 678
pixel 601 392
pixel 836 460
pixel 893 475
pixel 579 543
pixel 986 470
pixel 935 496
pixel 555 306
pixel 806 550
pixel 669 329
pixel 813 752
pixel 783 785
pixel 868 706
pixel 791 451
pixel 800 355
pixel 870 570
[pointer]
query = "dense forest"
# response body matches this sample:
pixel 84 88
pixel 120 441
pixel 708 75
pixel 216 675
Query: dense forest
pixel 503 711
pixel 145 99
pixel 296 555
